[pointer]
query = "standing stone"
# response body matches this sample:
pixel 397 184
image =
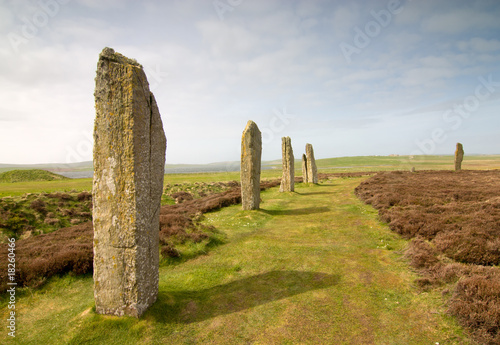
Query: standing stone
pixel 312 171
pixel 288 178
pixel 459 157
pixel 251 151
pixel 304 168
pixel 129 160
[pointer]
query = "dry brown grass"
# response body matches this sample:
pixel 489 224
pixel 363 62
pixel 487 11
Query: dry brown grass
pixel 453 219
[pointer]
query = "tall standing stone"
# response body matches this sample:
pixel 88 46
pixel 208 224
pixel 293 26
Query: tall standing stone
pixel 304 168
pixel 251 151
pixel 288 178
pixel 312 171
pixel 129 160
pixel 459 157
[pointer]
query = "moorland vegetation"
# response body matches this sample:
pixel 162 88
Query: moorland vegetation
pixel 453 221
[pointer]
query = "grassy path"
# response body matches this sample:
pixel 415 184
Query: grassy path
pixel 311 267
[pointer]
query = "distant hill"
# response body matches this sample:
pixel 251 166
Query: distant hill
pixel 472 161
pixel 29 175
pixel 71 170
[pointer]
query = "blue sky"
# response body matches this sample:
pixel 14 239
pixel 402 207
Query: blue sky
pixel 350 77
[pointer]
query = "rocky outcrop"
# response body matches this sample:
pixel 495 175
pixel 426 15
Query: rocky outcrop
pixel 288 163
pixel 251 151
pixel 129 160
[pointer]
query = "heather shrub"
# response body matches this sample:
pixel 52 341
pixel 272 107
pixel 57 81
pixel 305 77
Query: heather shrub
pixel 169 251
pixel 40 257
pixel 476 303
pixel 84 196
pixel 421 253
pixel 179 197
pixel 454 223
pixel 472 246
pixel 51 221
pixel 39 205
pixel 85 215
pixel 70 250
pixel 60 196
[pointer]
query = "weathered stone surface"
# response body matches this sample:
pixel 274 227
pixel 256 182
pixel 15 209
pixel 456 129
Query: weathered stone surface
pixel 288 163
pixel 129 160
pixel 459 157
pixel 251 151
pixel 304 168
pixel 312 171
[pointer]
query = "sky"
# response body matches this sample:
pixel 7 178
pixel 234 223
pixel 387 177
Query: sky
pixel 352 78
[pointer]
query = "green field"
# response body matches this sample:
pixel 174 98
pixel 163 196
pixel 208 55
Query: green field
pixel 21 188
pixel 373 163
pixel 311 267
pixel 13 176
pixel 341 164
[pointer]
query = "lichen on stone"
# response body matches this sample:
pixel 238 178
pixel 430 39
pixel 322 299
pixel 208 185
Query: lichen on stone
pixel 110 54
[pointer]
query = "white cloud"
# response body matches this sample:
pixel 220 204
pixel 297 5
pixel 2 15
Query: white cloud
pixel 259 8
pixel 479 45
pixel 279 25
pixel 308 24
pixel 229 40
pixel 212 75
pixel 343 21
pixel 6 19
pixel 310 8
pixel 365 75
pixel 89 32
pixel 403 41
pixel 435 61
pixel 459 21
pixel 429 77
pixel 413 12
pixel 102 5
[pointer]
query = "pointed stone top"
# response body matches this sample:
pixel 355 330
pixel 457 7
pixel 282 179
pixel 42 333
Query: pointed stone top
pixel 110 54
pixel 250 124
pixel 252 128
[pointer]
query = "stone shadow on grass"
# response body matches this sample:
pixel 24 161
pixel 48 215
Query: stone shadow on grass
pixel 297 211
pixel 194 306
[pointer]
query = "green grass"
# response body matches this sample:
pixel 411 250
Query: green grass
pixel 375 163
pixel 29 175
pixel 217 176
pixel 21 188
pixel 342 164
pixel 311 267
